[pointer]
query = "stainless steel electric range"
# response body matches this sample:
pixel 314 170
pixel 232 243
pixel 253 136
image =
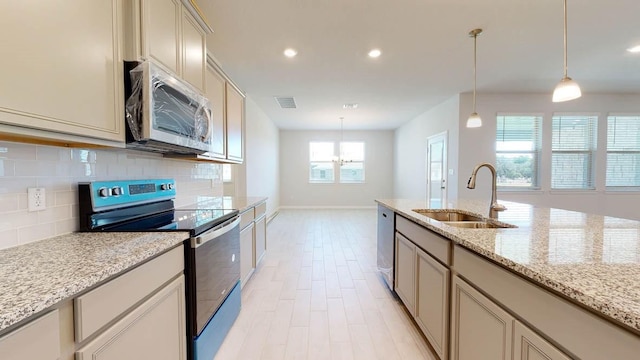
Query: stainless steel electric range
pixel 212 251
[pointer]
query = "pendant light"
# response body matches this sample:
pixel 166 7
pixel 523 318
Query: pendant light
pixel 340 159
pixel 474 119
pixel 567 89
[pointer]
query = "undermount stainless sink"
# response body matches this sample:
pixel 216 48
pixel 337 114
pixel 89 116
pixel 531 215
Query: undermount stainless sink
pixel 478 225
pixel 461 219
pixel 448 215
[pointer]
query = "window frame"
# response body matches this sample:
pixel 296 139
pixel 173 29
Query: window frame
pixel 364 151
pixel 536 153
pixel 331 161
pixel 623 188
pixel 592 152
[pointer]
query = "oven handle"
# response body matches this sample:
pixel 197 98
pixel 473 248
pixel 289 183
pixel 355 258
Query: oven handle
pixel 214 233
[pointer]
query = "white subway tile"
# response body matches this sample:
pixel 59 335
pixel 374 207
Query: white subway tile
pixel 36 232
pixel 7 167
pixel 67 226
pixel 8 238
pixel 65 198
pixel 18 151
pixel 35 168
pixel 17 219
pixel 9 202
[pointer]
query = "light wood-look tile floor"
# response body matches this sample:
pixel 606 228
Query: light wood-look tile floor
pixel 316 295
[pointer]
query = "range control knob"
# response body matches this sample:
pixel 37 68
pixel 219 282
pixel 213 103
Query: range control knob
pixel 104 192
pixel 117 191
pixel 170 186
pixel 163 187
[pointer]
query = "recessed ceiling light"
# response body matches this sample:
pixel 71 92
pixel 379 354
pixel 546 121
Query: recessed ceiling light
pixel 375 53
pixel 290 53
pixel 635 49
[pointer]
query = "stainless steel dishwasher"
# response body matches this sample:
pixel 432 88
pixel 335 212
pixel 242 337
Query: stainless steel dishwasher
pixel 386 248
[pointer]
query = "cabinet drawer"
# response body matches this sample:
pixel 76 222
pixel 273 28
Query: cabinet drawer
pixel 100 306
pixel 436 245
pixel 39 339
pixel 246 218
pixel 261 209
pixel 154 330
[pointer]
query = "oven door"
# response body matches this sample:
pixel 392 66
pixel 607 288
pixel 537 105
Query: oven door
pixel 214 261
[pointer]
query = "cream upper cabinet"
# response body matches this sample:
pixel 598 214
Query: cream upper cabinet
pixel 62 71
pixel 167 32
pixel 160 32
pixel 194 51
pixel 215 93
pixel 235 123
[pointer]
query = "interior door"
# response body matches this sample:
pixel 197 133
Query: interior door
pixel 437 170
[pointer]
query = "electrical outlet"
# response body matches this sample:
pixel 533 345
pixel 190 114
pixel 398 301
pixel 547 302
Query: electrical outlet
pixel 37 199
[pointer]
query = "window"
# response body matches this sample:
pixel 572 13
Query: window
pixel 623 151
pixel 518 151
pixel 352 170
pixel 321 162
pixel 573 145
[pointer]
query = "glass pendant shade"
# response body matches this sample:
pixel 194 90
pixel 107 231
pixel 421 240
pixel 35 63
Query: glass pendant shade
pixel 566 90
pixel 474 120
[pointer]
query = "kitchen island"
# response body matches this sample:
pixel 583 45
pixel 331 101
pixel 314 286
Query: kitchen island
pixel 589 261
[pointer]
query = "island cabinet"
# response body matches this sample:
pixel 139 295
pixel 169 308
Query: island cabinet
pixel 171 34
pixel 496 313
pixel 253 239
pixel 62 82
pixel 423 280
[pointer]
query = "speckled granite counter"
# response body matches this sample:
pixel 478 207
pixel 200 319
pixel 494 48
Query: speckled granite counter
pixel 36 276
pixel 241 203
pixel 592 259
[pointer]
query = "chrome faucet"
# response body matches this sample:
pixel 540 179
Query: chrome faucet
pixel 494 208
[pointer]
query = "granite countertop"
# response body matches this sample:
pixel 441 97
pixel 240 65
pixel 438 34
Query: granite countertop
pixel 36 276
pixel 240 203
pixel 591 259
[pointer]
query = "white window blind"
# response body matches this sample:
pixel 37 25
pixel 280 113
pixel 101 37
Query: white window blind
pixel 573 145
pixel 623 152
pixel 321 155
pixel 518 143
pixel 352 167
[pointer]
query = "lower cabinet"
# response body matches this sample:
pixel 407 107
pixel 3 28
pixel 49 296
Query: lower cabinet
pixel 261 238
pixel 405 281
pixel 480 329
pixel 432 302
pixel 527 345
pixel 483 330
pixel 154 330
pixel 39 339
pixel 246 254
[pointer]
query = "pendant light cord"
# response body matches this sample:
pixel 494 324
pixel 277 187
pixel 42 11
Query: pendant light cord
pixel 565 38
pixel 475 46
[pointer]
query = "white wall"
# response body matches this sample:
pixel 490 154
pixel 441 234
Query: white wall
pixel 294 170
pixel 411 150
pixel 59 169
pixel 262 158
pixel 478 145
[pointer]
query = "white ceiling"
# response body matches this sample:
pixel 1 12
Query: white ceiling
pixel 427 55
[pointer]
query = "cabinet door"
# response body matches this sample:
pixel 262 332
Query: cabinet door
pixel 161 39
pixel 215 85
pixel 261 238
pixel 194 51
pixel 405 284
pixel 246 254
pixel 63 72
pixel 432 302
pixel 235 121
pixel 39 339
pixel 479 328
pixel 527 345
pixel 154 330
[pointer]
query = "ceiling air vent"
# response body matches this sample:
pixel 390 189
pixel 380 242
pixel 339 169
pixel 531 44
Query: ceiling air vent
pixel 286 102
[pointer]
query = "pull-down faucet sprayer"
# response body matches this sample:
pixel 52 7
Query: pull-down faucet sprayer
pixel 494 208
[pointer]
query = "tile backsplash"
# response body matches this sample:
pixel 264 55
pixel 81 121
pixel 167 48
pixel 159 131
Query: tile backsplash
pixel 60 169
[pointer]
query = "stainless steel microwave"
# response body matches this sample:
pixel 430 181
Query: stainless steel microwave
pixel 164 113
